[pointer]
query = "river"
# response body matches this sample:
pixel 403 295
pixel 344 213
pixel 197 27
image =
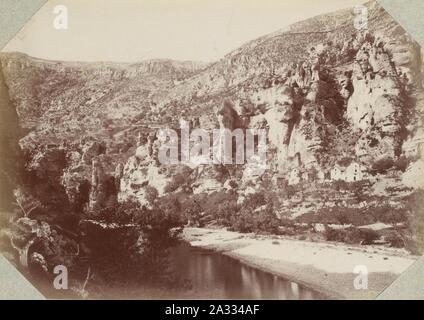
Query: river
pixel 217 276
pixel 206 275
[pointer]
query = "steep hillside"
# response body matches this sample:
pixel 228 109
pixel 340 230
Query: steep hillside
pixel 311 83
pixel 87 97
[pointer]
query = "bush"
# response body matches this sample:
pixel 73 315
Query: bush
pixel 191 212
pixel 351 235
pixel 401 163
pixel 361 236
pixel 151 194
pixel 331 234
pixel 261 221
pixel 344 215
pixel 214 204
pixel 225 211
pixel 180 179
pixel 395 241
pixel 383 165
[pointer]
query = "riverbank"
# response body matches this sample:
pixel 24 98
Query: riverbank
pixel 323 267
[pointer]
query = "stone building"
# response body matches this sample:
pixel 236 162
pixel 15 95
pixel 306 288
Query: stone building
pixel 355 172
pixel 352 173
pixel 297 175
pixel 337 173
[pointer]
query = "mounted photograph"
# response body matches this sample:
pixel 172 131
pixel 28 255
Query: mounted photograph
pixel 201 149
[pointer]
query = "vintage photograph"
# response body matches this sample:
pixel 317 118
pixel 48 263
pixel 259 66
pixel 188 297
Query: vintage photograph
pixel 212 149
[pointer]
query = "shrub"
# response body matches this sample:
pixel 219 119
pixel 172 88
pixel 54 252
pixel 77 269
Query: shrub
pixel 356 216
pixel 225 211
pixel 351 235
pixel 151 194
pixel 395 241
pixel 401 163
pixel 340 185
pixel 331 234
pixel 191 211
pixel 179 180
pixel 262 220
pixel 214 204
pixel 383 165
pixel 361 236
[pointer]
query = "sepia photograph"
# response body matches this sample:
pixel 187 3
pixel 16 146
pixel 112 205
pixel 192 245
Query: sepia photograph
pixel 199 150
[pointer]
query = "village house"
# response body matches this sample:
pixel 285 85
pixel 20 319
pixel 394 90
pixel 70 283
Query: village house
pixel 355 172
pixel 352 173
pixel 337 173
pixel 297 175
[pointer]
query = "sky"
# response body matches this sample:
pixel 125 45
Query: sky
pixel 135 30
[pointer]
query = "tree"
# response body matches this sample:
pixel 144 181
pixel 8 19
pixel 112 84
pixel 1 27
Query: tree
pixel 383 165
pixel 358 189
pixel 226 210
pixel 151 193
pixel 313 174
pixel 401 163
pixel 25 202
pixel 191 211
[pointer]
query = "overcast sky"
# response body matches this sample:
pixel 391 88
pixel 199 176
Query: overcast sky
pixel 134 30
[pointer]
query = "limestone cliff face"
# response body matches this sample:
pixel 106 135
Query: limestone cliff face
pixel 301 109
pixel 368 85
pixel 379 105
pixel 43 177
pixel 103 190
pixel 141 172
pixel 280 112
pixel 207 179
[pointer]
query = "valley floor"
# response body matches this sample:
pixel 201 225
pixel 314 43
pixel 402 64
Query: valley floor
pixel 324 267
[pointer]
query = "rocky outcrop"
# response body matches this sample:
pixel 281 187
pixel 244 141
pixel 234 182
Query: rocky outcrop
pixel 48 163
pixel 103 191
pixel 91 150
pixel 228 118
pixel 413 177
pixel 377 105
pixel 140 173
pixel 207 179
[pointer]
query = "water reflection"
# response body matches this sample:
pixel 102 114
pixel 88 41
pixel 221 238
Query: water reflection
pixel 215 276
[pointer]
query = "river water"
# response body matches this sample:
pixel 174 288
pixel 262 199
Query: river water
pixel 216 276
pixel 206 275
